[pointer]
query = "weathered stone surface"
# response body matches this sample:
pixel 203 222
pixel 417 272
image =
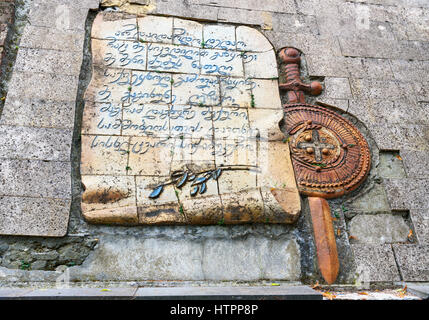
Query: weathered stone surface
pixel 35 143
pixel 53 39
pixel 187 32
pixel 374 200
pixel 189 106
pixel 261 65
pixel 49 86
pixel 337 88
pixel 48 61
pixel 413 261
pixel 409 193
pixel 62 15
pixel 33 216
pixel 191 260
pixel 379 229
pixel 391 165
pixel 375 263
pixel 38 113
pixel 420 219
pixel 27 178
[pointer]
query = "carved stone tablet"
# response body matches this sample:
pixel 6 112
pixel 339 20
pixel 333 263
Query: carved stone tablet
pixel 181 125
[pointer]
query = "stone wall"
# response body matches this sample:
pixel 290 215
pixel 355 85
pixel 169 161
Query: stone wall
pixel 373 59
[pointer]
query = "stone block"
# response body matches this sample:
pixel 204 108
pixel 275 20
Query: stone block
pixel 155 29
pixel 375 263
pixel 42 86
pixel 48 61
pixel 413 261
pixel 391 165
pixel 385 228
pixel 272 157
pixel 241 16
pixel 102 118
pixel 232 124
pixel 146 120
pixel 195 89
pixel 186 10
pixel 236 92
pixel 115 86
pixel 410 193
pixel 337 88
pixel 124 258
pixel 33 216
pixel 380 89
pixel 266 94
pixel 260 65
pixel 172 58
pixel 113 25
pixel 38 113
pixel 52 39
pixel 231 260
pixel 373 200
pixel 99 193
pixel 369 68
pixel 274 5
pixel 187 33
pixel 62 15
pixel 202 128
pixel 219 37
pixel 150 87
pixel 35 143
pixel 420 219
pixel 416 163
pixel 35 178
pixel 250 39
pixel 157 155
pixel 262 120
pixel 119 54
pixel 237 181
pixel 221 63
pixel 246 206
pixel 105 155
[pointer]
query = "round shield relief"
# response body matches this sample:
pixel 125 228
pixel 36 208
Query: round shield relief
pixel 329 154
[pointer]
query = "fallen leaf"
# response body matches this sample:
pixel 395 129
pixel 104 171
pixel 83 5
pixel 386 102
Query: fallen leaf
pixel 105 289
pixel 316 285
pixel 363 293
pixel 352 237
pixel 338 232
pixel 399 157
pixel 329 295
pixel 410 234
pixel 402 292
pixel 275 284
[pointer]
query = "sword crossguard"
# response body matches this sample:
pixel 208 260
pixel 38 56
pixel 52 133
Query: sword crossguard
pixel 295 87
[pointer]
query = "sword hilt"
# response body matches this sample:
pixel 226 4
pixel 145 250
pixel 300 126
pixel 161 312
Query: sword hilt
pixel 296 88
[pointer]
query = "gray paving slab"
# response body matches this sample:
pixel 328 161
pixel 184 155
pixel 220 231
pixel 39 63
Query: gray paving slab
pixel 10 293
pixel 229 293
pixel 79 294
pixel 419 289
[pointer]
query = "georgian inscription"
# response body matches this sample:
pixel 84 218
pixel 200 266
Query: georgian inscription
pixel 180 122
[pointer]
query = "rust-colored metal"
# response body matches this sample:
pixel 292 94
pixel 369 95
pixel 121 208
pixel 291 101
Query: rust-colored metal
pixel 327 255
pixel 330 157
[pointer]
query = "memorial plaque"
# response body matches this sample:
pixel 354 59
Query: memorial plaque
pixel 181 126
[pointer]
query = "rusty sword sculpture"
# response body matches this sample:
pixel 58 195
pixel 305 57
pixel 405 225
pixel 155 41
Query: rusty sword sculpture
pixel 330 157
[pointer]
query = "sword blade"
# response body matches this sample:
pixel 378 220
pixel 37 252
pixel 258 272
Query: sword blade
pixel 327 255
